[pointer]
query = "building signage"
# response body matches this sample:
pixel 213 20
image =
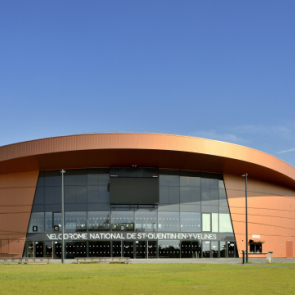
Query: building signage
pixel 118 236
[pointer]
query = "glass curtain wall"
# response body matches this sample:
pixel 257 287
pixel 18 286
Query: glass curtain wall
pixel 189 202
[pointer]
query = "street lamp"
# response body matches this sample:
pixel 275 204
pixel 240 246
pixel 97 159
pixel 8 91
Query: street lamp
pixel 62 216
pixel 246 175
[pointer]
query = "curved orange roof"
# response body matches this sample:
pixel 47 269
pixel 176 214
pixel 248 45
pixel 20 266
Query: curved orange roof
pixel 143 149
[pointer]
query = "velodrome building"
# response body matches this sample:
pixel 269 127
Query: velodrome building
pixel 143 196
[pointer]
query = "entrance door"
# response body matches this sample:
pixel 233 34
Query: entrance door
pixel 100 249
pixel 57 250
pixel 39 249
pixel 48 249
pixel 128 249
pixel 231 249
pixel 186 249
pixel 30 249
pixel 206 249
pixel 152 249
pixel 223 249
pixel 76 249
pixel 214 249
pixel 196 249
pixel 116 249
pixel 140 249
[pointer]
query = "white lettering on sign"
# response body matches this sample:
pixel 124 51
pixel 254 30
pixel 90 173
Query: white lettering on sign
pixel 132 236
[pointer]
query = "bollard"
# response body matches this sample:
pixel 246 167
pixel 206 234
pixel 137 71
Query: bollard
pixel 243 257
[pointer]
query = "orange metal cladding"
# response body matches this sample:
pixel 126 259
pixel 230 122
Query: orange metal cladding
pixel 16 198
pixel 271 181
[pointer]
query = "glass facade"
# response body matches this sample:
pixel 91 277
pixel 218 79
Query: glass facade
pixel 192 216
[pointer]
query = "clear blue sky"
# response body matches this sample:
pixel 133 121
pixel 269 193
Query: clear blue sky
pixel 216 69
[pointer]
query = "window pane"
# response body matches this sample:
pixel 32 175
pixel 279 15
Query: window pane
pixel 103 179
pixel 98 220
pixel 206 222
pixel 169 249
pixel 92 194
pixel 52 195
pixel 48 222
pixel 146 221
pixel 99 249
pixel 169 180
pixel 52 178
pixel 164 194
pixel 70 177
pixel 223 249
pixel 37 220
pixel 214 249
pixel 225 223
pixel 169 221
pixel 81 177
pixel 39 196
pixel 81 194
pixel 215 222
pixel 103 195
pixel 206 249
pixel 190 195
pixel 57 220
pixel 92 177
pixel 185 181
pixel 70 194
pixel 123 220
pixel 190 222
pixel 209 197
pixel 75 221
pixel 173 195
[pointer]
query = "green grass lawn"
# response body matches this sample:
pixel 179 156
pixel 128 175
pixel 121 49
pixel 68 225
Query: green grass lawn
pixel 71 279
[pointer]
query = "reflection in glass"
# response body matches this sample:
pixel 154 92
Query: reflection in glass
pixel 206 222
pixel 186 249
pixel 76 249
pixel 57 220
pixel 48 249
pixel 36 222
pixel 48 222
pixel 169 221
pixel 231 249
pixel 152 249
pixel 123 220
pixel 197 249
pixel 29 249
pixel 128 249
pixel 75 221
pixel 225 223
pixel 57 250
pixel 99 249
pixel 214 249
pixel 140 247
pixel 190 249
pixel 168 180
pixel 206 249
pixel 116 249
pixel 190 222
pixel 215 222
pixel 39 249
pixel 223 249
pixel 146 221
pixel 98 220
pixel 169 249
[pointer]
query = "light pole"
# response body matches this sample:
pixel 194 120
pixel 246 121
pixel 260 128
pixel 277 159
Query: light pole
pixel 246 175
pixel 62 216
